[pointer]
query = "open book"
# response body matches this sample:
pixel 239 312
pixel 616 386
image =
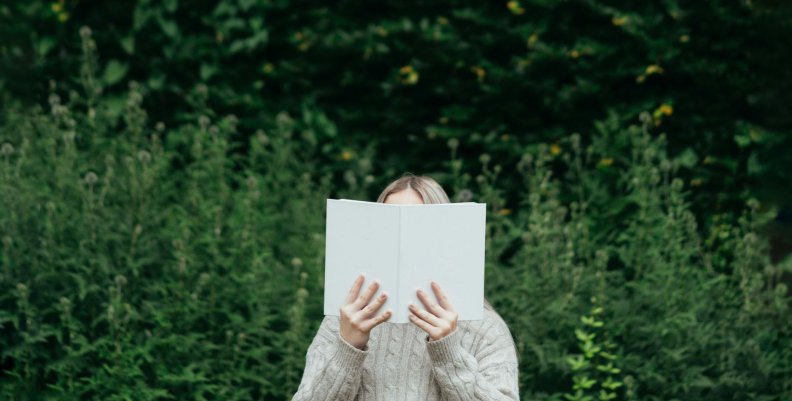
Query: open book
pixel 405 247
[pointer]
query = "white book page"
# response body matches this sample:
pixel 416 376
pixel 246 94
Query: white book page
pixel 444 243
pixel 361 237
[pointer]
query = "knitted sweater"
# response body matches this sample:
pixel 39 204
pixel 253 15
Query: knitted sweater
pixel 477 361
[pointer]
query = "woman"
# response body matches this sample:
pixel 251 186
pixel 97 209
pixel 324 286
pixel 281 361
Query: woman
pixel 355 357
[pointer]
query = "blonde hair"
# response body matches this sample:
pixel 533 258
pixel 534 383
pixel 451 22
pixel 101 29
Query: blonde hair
pixel 430 191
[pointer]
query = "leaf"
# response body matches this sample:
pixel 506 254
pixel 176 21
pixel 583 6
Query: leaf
pixel 44 46
pixel 170 28
pixel 114 72
pixel 207 71
pixel 128 44
pixel 687 158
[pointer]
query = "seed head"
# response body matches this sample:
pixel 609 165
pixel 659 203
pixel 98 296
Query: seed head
pixel 7 149
pixel 90 178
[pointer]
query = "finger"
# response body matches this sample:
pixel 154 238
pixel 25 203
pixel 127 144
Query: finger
pixel 353 292
pixel 442 298
pixel 430 305
pixel 373 307
pixel 365 297
pixel 374 322
pixel 428 328
pixel 426 316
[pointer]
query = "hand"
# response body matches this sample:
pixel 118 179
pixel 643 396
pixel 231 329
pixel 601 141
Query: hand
pixel 356 319
pixel 438 320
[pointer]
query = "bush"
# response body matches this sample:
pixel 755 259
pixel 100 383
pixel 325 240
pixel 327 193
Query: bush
pixel 144 260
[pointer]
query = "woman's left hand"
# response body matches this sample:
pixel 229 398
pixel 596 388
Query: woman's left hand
pixel 439 319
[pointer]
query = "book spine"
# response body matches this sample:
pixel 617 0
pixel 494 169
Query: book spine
pixel 400 312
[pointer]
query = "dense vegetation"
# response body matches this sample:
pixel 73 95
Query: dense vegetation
pixel 164 167
pixel 401 78
pixel 143 260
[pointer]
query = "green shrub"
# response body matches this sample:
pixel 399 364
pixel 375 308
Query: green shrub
pixel 143 260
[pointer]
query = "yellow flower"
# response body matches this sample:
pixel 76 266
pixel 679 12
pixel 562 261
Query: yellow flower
pixel 479 72
pixel 303 46
pixel 555 149
pixel 63 17
pixel 696 182
pixel 56 7
pixel 504 212
pixel 408 75
pixel 574 53
pixel 267 68
pixel 605 162
pixel 640 78
pixel 442 20
pixel 684 38
pixel 653 69
pixel 504 137
pixel 514 7
pixel 381 31
pixel 533 39
pixel 346 155
pixel 619 21
pixel 663 110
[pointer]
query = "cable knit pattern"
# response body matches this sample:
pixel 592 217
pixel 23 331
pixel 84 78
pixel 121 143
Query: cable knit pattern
pixel 475 362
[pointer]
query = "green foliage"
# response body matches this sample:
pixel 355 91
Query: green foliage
pixel 499 76
pixel 593 369
pixel 144 259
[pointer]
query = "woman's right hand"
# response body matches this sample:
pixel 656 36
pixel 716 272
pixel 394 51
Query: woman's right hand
pixel 356 319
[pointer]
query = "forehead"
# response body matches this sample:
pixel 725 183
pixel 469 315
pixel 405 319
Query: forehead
pixel 406 196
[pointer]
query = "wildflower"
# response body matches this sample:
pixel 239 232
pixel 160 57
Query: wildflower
pixel 453 143
pixel 85 32
pixel 607 161
pixel 296 262
pixel 160 126
pixel 619 21
pixel 574 53
pixel 262 137
pixel 504 212
pixel 63 17
pixel 267 68
pixel 653 69
pixel 555 149
pixel 203 121
pixel 346 155
pixel 465 195
pixel 663 110
pixel 479 72
pixel 504 137
pixel 484 158
pixel 696 182
pixel 442 20
pixel 144 157
pixel 90 178
pixel 684 38
pixel 514 7
pixel 533 39
pixel 408 75
pixel 7 149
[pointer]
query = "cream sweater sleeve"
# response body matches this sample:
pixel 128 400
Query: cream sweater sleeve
pixel 333 367
pixel 486 373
